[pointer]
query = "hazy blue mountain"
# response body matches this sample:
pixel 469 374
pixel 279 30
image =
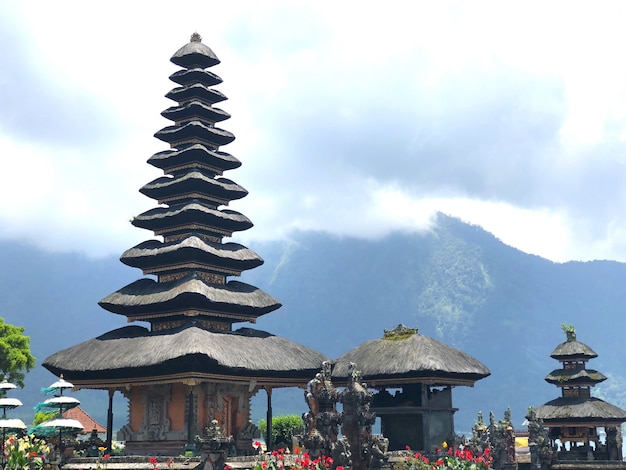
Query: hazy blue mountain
pixel 458 284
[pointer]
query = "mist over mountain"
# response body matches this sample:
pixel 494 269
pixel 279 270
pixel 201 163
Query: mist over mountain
pixel 457 284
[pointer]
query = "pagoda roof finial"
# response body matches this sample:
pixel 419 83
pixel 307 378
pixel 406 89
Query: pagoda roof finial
pixel 570 332
pixel 195 54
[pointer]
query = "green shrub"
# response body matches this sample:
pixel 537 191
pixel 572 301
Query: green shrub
pixel 283 428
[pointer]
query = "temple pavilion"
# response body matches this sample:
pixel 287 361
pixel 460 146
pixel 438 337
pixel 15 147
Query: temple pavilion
pixel 190 366
pixel 575 418
pixel 421 372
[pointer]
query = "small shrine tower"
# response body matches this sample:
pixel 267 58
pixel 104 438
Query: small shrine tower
pixel 575 418
pixel 190 367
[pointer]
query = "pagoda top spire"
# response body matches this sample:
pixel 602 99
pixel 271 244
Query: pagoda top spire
pixel 195 54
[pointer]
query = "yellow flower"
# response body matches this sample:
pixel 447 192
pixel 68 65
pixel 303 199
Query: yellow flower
pixel 444 445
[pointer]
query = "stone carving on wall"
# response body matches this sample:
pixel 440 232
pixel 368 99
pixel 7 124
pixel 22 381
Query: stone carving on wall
pixel 156 424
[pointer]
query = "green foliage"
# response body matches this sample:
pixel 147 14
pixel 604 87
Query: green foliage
pixel 456 284
pixel 283 428
pixel 15 356
pixel 25 453
pixel 41 416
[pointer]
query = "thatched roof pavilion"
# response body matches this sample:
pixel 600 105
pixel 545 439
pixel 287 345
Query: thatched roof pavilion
pixel 190 366
pixel 421 415
pixel 405 356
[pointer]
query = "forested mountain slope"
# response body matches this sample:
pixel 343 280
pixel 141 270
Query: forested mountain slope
pixel 457 283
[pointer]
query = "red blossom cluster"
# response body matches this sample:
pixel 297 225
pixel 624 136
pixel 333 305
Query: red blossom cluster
pixel 301 462
pixel 458 458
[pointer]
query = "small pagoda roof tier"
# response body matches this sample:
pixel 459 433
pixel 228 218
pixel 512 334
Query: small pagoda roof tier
pixel 569 377
pixel 196 91
pixel 154 256
pixel 195 156
pixel 580 411
pixel 573 350
pixel 193 185
pixel 192 216
pixel 191 295
pixel 134 355
pixel 195 54
pixel 405 356
pixel 195 75
pixel 194 132
pixel 195 110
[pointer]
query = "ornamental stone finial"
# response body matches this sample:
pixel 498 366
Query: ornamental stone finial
pixel 195 37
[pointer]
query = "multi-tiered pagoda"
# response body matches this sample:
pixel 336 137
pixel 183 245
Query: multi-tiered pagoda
pixel 189 367
pixel 576 418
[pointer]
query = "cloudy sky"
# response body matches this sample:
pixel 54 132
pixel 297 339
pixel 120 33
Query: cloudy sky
pixel 356 118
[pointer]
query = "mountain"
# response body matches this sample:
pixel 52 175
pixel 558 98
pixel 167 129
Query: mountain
pixel 456 283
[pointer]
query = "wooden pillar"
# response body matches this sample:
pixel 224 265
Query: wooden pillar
pixel 190 416
pixel 268 428
pixel 110 421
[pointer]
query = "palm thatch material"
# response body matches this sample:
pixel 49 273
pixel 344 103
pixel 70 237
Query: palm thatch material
pixel 568 377
pixel 193 184
pixel 410 358
pixel 580 410
pixel 573 350
pixel 197 155
pixel 231 258
pixel 147 298
pixel 134 355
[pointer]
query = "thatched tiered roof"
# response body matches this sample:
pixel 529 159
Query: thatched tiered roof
pixel 134 355
pixel 191 305
pixel 576 406
pixel 405 356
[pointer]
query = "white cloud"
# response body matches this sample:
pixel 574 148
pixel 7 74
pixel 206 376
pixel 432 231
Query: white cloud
pixel 356 119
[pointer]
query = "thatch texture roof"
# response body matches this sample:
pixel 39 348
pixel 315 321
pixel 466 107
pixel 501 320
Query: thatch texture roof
pixel 218 190
pixel 184 77
pixel 572 351
pixel 410 358
pixel 231 257
pixel 162 218
pixel 135 355
pixel 148 298
pixel 580 409
pixel 566 377
pixel 195 55
pixel 195 109
pixel 196 155
pixel 196 132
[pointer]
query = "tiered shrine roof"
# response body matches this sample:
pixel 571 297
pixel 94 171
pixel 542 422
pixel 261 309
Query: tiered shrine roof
pixel 189 301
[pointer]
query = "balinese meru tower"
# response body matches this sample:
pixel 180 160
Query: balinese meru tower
pixel 190 367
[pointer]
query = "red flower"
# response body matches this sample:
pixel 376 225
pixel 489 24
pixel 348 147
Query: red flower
pixel 408 447
pixel 257 444
pixel 227 467
pixel 439 462
pixel 339 467
pixel 486 451
pixel 106 456
pixel 264 465
pixel 153 460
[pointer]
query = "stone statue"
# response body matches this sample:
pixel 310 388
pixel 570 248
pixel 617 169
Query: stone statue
pixel 322 420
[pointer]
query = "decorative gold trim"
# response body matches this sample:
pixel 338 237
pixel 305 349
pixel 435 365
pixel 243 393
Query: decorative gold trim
pixel 200 376
pixel 173 169
pixel 207 267
pixel 190 313
pixel 208 228
pixel 217 202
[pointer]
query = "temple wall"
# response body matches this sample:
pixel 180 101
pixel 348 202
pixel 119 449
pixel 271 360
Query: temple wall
pixel 136 413
pixel 176 409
